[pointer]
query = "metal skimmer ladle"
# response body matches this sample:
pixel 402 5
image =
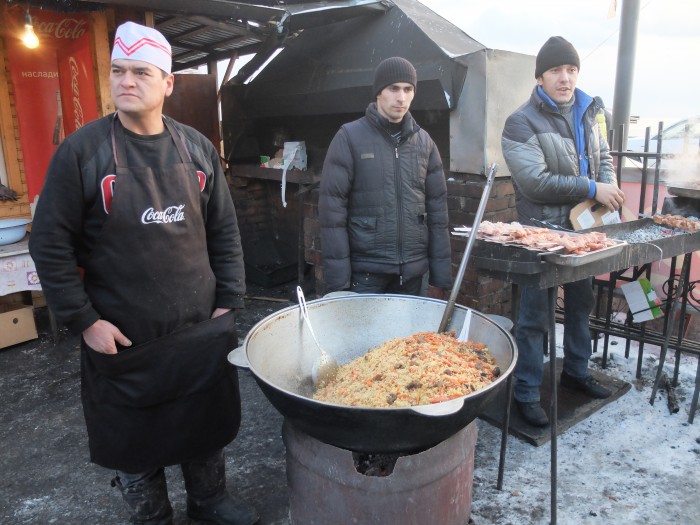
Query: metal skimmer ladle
pixel 324 366
pixel 450 306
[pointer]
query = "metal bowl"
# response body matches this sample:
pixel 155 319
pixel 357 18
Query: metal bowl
pixel 12 230
pixel 280 353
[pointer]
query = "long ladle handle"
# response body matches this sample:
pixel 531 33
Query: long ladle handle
pixel 449 308
pixel 305 313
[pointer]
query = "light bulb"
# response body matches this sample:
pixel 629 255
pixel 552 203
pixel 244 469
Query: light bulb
pixel 29 38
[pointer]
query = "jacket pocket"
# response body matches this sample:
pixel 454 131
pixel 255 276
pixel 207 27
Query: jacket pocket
pixel 416 235
pixel 423 228
pixel 362 233
pixel 177 365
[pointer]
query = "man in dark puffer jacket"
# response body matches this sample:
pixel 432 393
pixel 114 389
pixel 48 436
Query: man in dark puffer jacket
pixel 557 157
pixel 383 197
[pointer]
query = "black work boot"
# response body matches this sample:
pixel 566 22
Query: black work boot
pixel 207 498
pixel 588 385
pixel 147 497
pixel 532 413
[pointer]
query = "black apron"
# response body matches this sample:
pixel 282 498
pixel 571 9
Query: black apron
pixel 172 396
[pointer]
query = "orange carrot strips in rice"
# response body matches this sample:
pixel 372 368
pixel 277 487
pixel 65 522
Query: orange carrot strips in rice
pixel 423 368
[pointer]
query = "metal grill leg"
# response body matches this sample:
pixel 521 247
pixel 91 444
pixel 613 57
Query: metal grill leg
pixel 504 431
pixel 669 328
pixel 694 404
pixel 553 403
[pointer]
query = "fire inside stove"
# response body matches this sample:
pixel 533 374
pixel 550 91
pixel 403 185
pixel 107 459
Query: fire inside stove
pixel 379 465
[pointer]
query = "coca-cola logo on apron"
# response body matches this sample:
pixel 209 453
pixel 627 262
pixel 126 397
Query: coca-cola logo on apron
pixel 107 190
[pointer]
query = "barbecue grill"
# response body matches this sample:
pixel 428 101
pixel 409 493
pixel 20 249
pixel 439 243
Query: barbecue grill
pixel 646 242
pixel 524 267
pixel 538 269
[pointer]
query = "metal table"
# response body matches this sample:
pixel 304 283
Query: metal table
pixel 523 267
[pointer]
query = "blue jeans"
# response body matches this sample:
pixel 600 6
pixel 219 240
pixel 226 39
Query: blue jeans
pixel 531 330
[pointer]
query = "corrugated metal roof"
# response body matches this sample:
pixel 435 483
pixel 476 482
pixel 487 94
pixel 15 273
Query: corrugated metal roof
pixel 206 31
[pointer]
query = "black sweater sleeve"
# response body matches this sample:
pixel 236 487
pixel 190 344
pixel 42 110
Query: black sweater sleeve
pixel 223 236
pixel 54 241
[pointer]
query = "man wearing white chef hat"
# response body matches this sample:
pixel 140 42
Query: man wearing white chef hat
pixel 155 232
pixel 136 42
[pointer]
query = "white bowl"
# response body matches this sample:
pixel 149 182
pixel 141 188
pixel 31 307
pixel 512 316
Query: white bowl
pixel 12 230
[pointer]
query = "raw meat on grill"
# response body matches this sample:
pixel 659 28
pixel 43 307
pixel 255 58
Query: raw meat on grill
pixel 544 238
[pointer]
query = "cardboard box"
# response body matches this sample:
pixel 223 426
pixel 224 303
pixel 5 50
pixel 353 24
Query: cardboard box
pixel 642 300
pixel 591 213
pixel 17 326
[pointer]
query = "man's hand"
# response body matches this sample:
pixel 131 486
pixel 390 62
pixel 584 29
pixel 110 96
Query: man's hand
pixel 103 336
pixel 436 293
pixel 609 195
pixel 219 311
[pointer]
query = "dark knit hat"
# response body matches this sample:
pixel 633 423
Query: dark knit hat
pixel 555 52
pixel 393 70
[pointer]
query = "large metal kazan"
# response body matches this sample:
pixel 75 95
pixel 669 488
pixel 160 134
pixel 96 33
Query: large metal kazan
pixel 280 352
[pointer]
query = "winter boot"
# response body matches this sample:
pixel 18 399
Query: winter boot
pixel 207 498
pixel 147 496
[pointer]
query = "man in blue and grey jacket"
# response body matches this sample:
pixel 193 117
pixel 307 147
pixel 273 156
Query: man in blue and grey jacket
pixel 557 157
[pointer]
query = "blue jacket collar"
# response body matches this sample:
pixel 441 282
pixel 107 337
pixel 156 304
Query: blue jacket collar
pixel 581 104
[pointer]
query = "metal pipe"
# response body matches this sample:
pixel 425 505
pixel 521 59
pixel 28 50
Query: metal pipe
pixel 621 158
pixel 645 161
pixel 657 169
pixel 624 75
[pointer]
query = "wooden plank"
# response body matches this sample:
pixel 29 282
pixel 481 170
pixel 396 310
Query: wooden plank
pixel 101 60
pixel 10 139
pixel 193 102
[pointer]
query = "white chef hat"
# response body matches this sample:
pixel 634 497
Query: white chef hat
pixel 136 42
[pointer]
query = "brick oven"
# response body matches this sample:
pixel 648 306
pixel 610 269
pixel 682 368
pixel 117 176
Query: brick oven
pixel 322 78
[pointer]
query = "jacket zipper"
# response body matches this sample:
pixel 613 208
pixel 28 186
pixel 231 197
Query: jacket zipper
pixel 399 209
pixel 397 182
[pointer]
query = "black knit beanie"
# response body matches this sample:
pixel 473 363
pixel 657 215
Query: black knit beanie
pixel 393 70
pixel 555 52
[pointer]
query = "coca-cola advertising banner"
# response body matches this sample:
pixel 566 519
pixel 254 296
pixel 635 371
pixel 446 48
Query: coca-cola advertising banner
pixel 54 85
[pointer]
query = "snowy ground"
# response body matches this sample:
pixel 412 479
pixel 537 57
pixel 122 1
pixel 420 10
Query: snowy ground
pixel 629 463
